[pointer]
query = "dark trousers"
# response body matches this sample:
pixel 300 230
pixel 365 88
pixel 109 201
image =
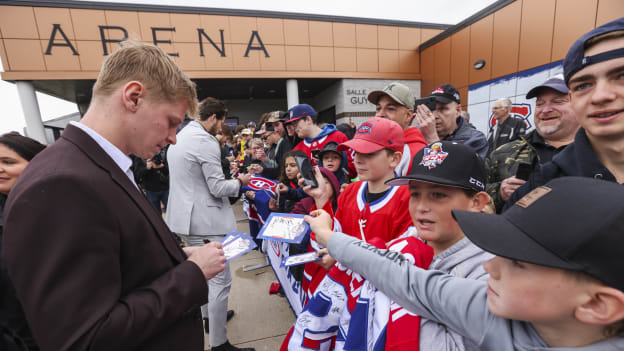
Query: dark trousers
pixel 156 197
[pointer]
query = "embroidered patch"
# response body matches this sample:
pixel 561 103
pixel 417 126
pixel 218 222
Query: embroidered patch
pixel 433 156
pixel 530 198
pixel 365 128
pixel 438 91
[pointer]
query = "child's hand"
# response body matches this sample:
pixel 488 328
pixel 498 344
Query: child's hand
pixel 323 192
pixel 273 205
pixel 326 260
pixel 251 195
pixel 343 187
pixel 282 188
pixel 321 224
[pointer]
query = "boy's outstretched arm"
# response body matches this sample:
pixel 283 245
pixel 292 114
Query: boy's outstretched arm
pixel 459 303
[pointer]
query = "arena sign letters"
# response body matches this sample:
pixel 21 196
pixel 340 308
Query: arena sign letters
pixel 58 38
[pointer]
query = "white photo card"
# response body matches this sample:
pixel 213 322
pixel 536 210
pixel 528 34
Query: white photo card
pixel 236 244
pixel 285 227
pixel 303 258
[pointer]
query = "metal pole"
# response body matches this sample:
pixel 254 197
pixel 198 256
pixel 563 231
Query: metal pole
pixel 32 115
pixel 292 92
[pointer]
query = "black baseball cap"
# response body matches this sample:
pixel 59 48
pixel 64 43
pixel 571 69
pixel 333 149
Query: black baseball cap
pixel 445 93
pixel 570 223
pixel 576 60
pixel 446 163
pixel 330 147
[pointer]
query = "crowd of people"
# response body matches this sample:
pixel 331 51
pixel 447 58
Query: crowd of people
pixel 432 237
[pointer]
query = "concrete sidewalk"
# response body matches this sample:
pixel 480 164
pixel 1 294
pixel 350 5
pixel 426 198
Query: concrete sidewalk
pixel 261 320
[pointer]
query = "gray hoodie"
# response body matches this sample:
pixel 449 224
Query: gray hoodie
pixel 461 304
pixel 465 260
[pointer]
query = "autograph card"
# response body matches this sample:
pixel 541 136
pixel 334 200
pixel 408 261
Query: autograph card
pixel 236 244
pixel 300 259
pixel 286 227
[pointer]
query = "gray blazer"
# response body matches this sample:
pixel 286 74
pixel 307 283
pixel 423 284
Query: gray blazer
pixel 198 191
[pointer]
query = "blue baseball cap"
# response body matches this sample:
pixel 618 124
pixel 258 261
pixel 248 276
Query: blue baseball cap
pixel 300 111
pixel 555 83
pixel 576 60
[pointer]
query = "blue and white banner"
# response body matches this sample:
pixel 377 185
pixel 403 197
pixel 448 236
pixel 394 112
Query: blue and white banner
pixel 277 251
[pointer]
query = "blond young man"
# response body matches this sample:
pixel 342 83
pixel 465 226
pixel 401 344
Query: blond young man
pixel 93 264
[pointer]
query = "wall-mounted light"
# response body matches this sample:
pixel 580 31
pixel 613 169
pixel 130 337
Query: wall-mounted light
pixel 479 64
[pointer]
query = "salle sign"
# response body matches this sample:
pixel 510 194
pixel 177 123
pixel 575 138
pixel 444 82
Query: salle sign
pixel 59 38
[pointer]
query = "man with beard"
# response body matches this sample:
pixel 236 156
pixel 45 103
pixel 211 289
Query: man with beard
pixel 555 126
pixel 199 208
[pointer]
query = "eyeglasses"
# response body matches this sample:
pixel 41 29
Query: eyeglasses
pixel 266 136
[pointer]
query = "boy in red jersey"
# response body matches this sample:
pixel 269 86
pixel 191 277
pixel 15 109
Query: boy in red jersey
pixel 303 119
pixel 367 208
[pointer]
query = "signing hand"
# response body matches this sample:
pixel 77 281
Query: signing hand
pixel 209 258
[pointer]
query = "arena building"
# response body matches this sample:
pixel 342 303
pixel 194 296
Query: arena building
pixel 262 61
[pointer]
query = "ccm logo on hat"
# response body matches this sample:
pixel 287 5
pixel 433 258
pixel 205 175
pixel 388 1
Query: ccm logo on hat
pixel 433 156
pixel 477 183
pixel 365 128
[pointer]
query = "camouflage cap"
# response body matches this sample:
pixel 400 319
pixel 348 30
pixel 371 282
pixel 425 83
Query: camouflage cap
pixel 397 92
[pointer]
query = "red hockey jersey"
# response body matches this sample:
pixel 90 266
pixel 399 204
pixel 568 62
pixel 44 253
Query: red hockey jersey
pixel 385 218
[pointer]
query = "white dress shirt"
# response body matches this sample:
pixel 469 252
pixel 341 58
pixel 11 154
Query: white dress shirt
pixel 122 160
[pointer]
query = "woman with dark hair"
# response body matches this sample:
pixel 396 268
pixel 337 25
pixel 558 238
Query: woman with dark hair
pixel 15 153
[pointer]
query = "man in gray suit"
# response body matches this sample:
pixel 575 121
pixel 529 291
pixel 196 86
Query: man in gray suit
pixel 199 208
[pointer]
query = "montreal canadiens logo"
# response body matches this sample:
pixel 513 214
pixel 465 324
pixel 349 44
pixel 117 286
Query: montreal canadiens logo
pixel 259 183
pixel 433 156
pixel 365 128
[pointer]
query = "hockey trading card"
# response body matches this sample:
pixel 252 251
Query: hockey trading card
pixel 300 259
pixel 237 244
pixel 284 227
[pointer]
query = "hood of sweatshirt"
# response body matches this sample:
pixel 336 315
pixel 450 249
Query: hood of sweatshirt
pixel 326 130
pixel 413 135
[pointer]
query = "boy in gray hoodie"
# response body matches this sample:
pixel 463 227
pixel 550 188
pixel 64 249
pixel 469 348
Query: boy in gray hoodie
pixel 439 182
pixel 556 282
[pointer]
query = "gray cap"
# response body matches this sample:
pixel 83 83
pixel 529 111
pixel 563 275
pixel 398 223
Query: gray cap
pixel 397 91
pixel 556 83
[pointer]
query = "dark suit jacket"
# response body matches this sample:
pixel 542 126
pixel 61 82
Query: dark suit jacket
pixel 96 268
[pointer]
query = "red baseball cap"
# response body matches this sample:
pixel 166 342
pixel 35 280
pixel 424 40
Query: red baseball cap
pixel 375 134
